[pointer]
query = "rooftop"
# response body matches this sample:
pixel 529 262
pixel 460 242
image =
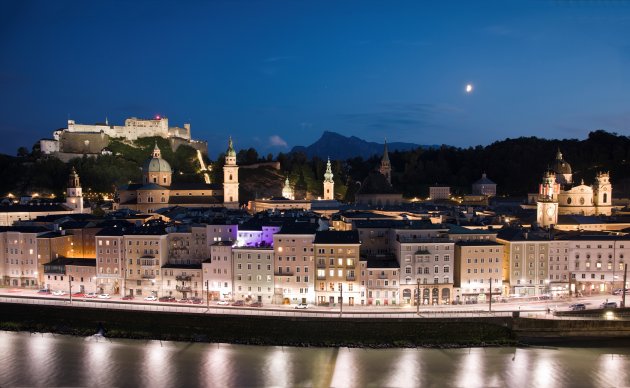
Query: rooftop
pixel 337 237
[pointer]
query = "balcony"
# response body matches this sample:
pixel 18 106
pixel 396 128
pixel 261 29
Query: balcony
pixel 322 277
pixel 146 276
pixel 350 266
pixel 382 276
pixel 321 264
pixel 184 288
pixel 351 278
pixel 183 278
pixel 283 273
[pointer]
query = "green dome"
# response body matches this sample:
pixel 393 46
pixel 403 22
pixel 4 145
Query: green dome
pixel 156 165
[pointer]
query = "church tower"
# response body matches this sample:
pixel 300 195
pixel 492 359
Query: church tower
pixel 386 168
pixel 603 194
pixel 230 178
pixel 329 184
pixel 74 194
pixel 287 190
pixel 547 204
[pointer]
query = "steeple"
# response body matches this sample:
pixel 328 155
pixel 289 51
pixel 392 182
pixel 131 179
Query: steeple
pixel 386 168
pixel 328 175
pixel 329 184
pixel 230 151
pixel 73 180
pixel 156 151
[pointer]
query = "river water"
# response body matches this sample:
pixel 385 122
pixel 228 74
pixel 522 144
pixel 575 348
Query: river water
pixel 55 360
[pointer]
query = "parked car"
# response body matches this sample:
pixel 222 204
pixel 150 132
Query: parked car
pixel 608 305
pixel 44 291
pixel 151 298
pixel 195 300
pixel 91 295
pixel 104 296
pixel 256 304
pixel 167 299
pixel 128 297
pixel 238 303
pixel 78 295
pixel 301 306
pixel 577 307
pixel 618 291
pixel 223 303
pixel 184 300
pixel 59 293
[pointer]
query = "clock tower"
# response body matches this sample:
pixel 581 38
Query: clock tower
pixel 547 204
pixel 230 178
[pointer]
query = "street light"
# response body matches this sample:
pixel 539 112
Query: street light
pixel 418 297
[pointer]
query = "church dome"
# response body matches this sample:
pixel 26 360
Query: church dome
pixel 156 163
pixel 560 166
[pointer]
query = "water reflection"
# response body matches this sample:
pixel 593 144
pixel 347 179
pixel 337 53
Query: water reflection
pixel 49 360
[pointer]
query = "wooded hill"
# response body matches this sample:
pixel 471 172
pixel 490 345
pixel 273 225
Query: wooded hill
pixel 516 165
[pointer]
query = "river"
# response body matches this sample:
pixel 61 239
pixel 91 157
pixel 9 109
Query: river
pixel 56 360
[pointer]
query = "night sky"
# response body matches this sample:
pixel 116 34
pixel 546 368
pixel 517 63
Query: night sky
pixel 274 74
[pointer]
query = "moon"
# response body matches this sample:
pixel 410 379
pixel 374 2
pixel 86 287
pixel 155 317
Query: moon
pixel 469 88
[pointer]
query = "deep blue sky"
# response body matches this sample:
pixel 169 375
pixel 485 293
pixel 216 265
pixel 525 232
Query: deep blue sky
pixel 272 73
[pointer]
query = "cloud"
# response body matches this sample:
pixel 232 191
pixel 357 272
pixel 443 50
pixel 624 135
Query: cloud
pixel 401 116
pixel 279 58
pixel 277 141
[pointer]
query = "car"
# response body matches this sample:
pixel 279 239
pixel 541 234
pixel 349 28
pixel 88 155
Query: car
pixel 238 303
pixel 91 295
pixel 151 298
pixel 127 297
pixel 223 303
pixel 59 293
pixel 184 300
pixel 256 304
pixel 301 306
pixel 618 291
pixel 608 305
pixel 104 296
pixel 78 295
pixel 196 300
pixel 577 307
pixel 167 299
pixel 44 291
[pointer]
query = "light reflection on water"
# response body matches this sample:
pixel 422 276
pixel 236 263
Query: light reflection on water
pixel 55 360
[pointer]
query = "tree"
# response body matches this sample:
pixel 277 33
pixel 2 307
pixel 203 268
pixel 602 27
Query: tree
pixel 22 152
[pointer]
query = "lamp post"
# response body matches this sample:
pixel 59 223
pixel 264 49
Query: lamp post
pixel 490 304
pixel 207 294
pixel 341 300
pixel 623 289
pixel 418 296
pixel 70 290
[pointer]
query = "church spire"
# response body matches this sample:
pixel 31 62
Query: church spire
pixel 386 168
pixel 156 151
pixel 328 175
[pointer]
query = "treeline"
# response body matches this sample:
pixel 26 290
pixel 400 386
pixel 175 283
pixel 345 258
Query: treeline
pixel 516 165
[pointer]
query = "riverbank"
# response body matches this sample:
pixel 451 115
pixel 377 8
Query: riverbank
pixel 314 331
pixel 257 330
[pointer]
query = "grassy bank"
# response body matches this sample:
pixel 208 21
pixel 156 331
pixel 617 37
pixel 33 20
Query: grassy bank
pixel 258 330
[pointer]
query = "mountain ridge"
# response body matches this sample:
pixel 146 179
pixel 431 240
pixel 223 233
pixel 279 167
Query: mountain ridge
pixel 336 146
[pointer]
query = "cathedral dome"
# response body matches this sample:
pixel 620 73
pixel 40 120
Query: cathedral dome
pixel 156 163
pixel 560 166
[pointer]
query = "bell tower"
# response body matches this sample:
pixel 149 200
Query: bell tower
pixel 386 167
pixel 547 203
pixel 74 193
pixel 603 193
pixel 329 184
pixel 230 178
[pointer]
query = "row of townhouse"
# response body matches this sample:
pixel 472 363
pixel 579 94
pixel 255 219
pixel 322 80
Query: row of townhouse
pixel 586 263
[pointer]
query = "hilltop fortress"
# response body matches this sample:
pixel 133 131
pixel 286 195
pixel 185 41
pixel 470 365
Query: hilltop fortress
pixel 93 139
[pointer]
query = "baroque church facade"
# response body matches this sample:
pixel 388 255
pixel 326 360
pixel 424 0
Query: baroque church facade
pixel 558 195
pixel 158 191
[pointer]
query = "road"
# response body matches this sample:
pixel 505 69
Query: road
pixel 526 308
